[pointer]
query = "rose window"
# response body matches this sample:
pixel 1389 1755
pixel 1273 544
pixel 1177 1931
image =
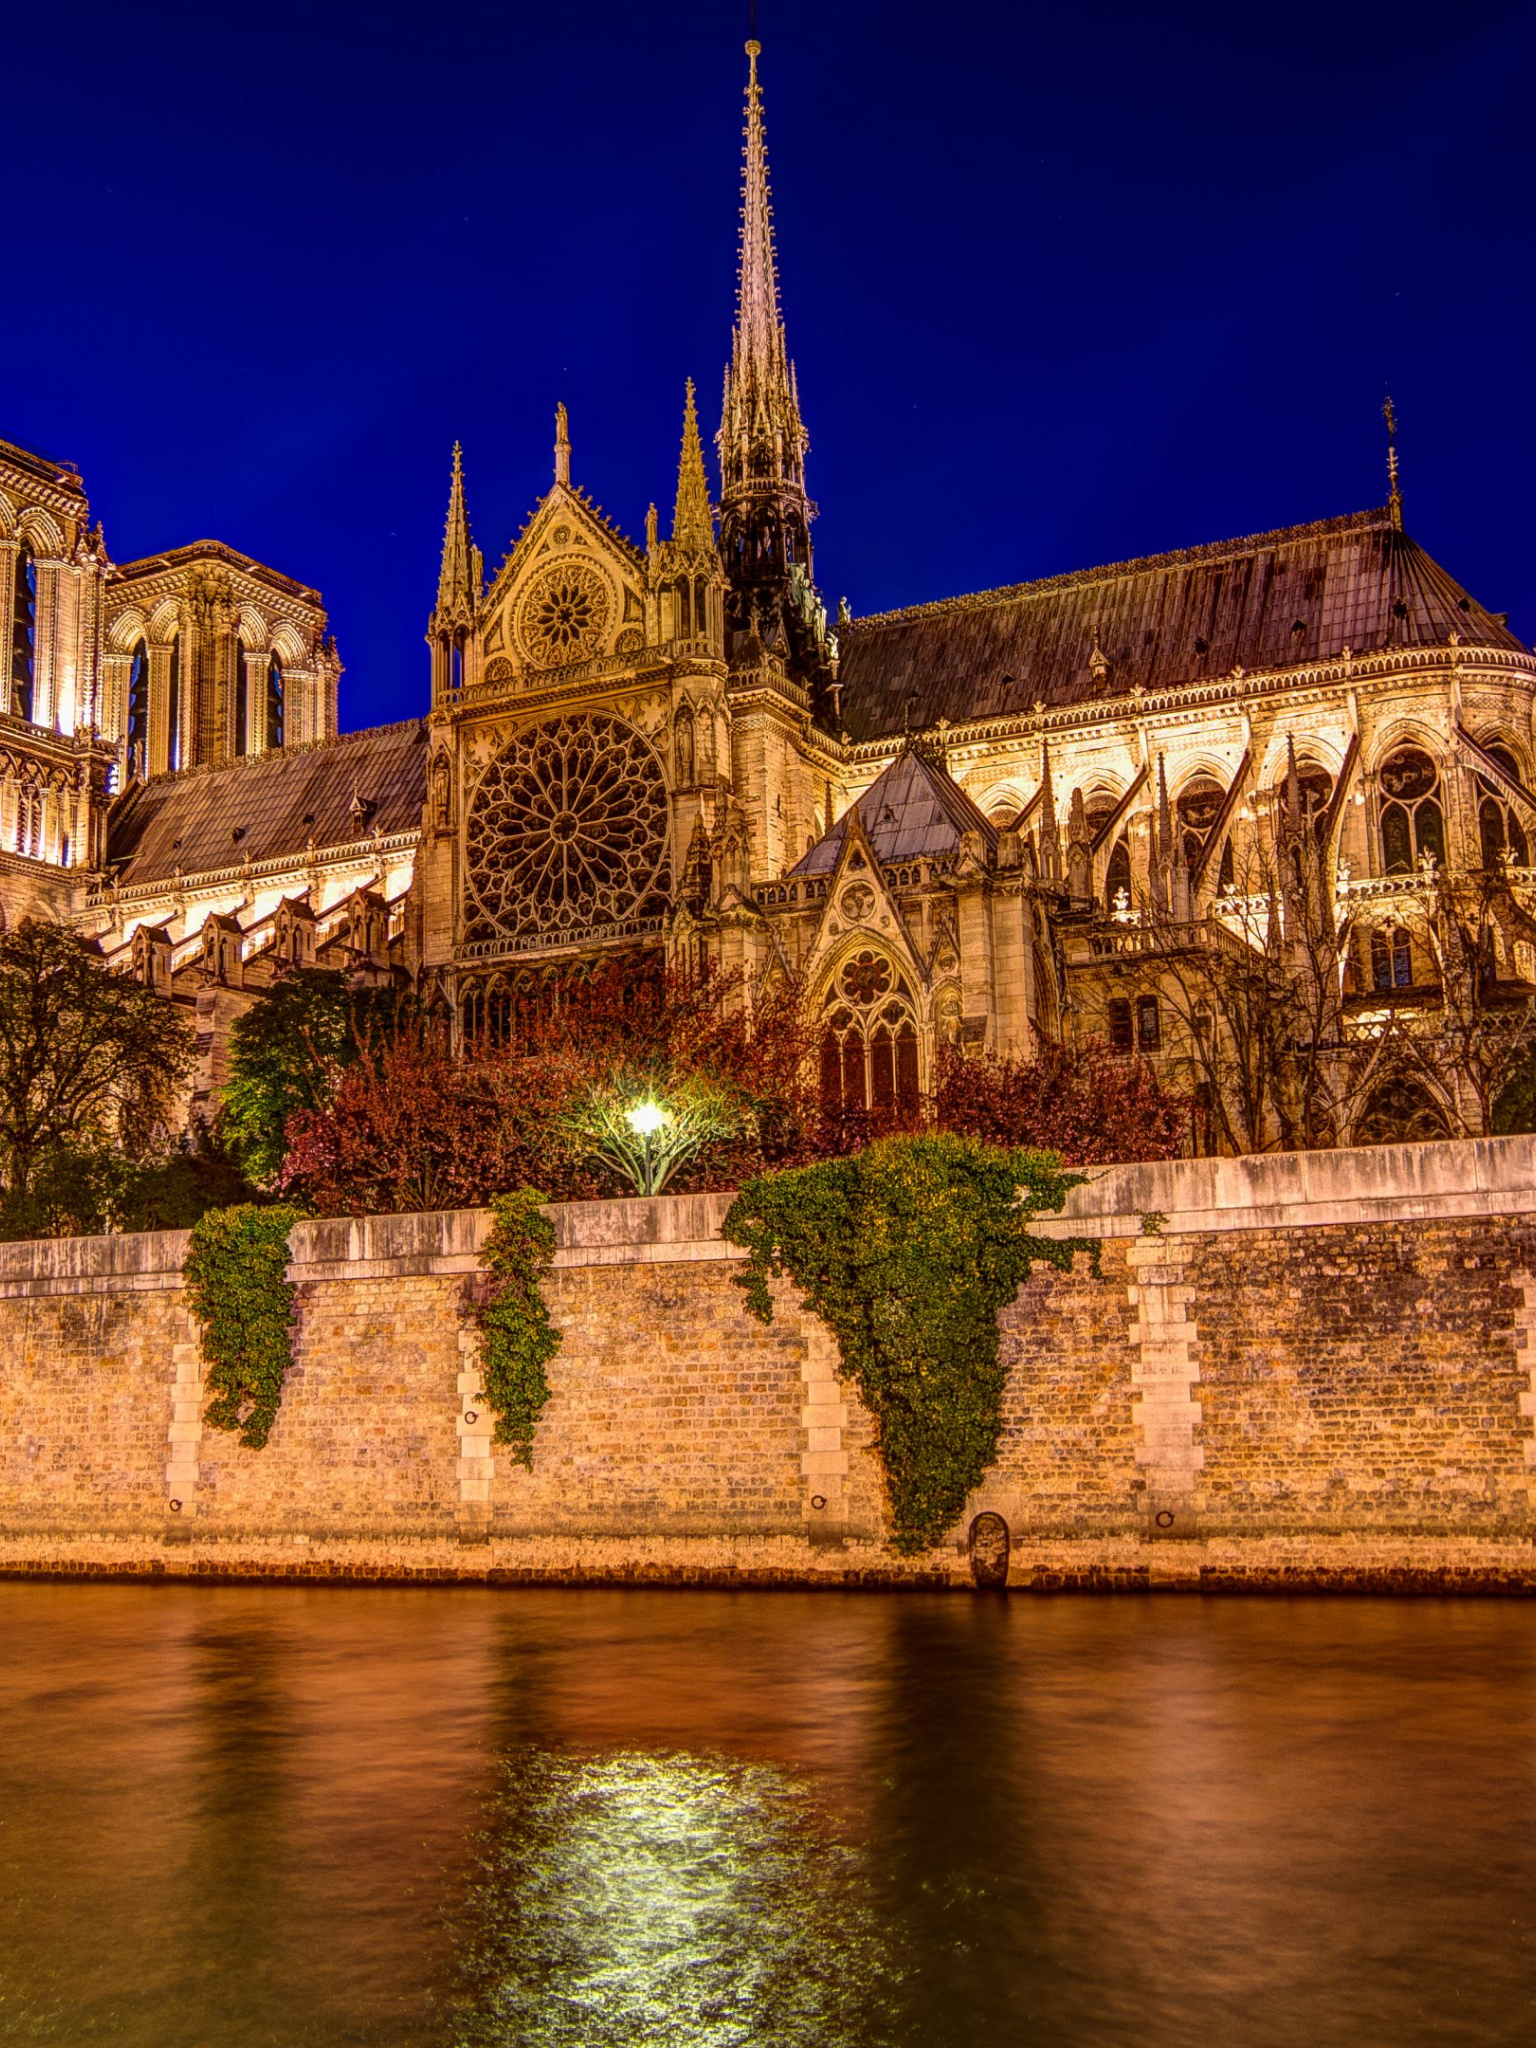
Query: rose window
pixel 563 615
pixel 568 832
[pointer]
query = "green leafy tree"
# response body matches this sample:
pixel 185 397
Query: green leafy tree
pixel 92 1064
pixel 288 1052
pixel 908 1251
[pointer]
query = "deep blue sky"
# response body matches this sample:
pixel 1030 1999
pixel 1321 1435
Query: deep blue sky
pixel 1063 285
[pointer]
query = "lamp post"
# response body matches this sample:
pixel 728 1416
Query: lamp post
pixel 645 1120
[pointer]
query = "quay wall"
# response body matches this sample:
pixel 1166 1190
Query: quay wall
pixel 1305 1371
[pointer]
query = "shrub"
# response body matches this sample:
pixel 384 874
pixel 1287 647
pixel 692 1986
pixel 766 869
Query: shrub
pixel 237 1285
pixel 909 1251
pixel 519 1338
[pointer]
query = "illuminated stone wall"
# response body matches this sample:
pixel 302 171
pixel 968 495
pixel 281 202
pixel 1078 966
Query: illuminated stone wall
pixel 1292 1369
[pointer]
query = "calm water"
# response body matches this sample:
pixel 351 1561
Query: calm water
pixel 456 1819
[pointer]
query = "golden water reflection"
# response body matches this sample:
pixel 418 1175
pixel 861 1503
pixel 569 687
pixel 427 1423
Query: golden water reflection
pixel 640 1897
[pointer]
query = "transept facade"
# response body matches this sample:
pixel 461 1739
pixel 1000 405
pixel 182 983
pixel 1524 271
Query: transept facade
pixel 990 822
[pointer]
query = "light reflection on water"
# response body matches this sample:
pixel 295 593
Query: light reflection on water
pixel 641 1897
pixel 288 1818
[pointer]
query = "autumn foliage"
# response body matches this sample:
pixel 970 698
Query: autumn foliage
pixel 1087 1104
pixel 407 1123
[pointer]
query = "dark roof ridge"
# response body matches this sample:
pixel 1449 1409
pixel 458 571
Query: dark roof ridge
pixel 1206 551
pixel 194 769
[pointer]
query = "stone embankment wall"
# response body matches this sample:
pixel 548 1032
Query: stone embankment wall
pixel 1312 1370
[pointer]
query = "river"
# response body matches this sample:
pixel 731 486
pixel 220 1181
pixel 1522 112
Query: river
pixel 237 1817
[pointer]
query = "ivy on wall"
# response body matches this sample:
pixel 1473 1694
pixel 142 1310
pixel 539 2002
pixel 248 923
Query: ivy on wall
pixel 908 1251
pixel 236 1280
pixel 519 1338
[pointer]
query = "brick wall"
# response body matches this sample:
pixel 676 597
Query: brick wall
pixel 1315 1370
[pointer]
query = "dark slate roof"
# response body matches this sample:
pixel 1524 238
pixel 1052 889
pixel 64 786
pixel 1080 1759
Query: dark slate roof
pixel 911 812
pixel 275 802
pixel 1275 600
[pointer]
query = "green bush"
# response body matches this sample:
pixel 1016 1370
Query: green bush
pixel 235 1273
pixel 908 1251
pixel 519 1338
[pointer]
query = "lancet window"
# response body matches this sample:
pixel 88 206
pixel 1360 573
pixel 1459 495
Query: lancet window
pixel 1498 824
pixel 1391 960
pixel 138 712
pixel 1200 805
pixel 1117 876
pixel 1412 816
pixel 275 702
pixel 23 649
pixel 869 1038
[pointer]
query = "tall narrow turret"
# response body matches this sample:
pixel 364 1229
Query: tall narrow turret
pixel 693 524
pixel 765 515
pixel 460 581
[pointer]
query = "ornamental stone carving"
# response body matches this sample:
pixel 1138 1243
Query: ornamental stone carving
pixel 563 615
pixel 567 832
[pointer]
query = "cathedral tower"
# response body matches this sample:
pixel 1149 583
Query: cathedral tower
pixel 765 514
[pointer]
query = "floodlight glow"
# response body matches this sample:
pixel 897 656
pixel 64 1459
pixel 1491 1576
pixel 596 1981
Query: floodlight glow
pixel 646 1118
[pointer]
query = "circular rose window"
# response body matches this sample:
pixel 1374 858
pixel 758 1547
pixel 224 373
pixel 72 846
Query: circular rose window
pixel 568 831
pixel 563 615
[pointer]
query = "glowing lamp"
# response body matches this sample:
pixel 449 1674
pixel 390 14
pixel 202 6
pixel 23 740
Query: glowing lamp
pixel 645 1119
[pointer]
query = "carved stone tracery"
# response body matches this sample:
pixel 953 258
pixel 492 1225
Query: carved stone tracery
pixel 567 832
pixel 563 615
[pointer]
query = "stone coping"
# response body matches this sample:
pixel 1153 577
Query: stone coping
pixel 1374 1184
pixel 1295 1190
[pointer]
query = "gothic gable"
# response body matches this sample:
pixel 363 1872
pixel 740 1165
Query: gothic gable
pixel 571 590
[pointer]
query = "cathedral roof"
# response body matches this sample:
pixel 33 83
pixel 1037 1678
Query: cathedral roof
pixel 914 811
pixel 267 807
pixel 1274 600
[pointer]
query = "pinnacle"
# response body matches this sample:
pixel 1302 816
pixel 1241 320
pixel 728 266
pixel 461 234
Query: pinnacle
pixel 692 521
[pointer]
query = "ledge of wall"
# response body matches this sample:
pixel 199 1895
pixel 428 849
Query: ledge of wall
pixel 1290 1190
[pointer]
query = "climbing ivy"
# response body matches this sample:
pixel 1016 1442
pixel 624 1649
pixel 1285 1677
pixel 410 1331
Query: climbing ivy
pixel 908 1251
pixel 519 1338
pixel 235 1274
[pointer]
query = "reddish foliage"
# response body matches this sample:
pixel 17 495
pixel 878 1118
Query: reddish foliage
pixel 410 1126
pixel 1093 1106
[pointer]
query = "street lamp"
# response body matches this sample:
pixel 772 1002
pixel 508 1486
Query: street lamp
pixel 645 1120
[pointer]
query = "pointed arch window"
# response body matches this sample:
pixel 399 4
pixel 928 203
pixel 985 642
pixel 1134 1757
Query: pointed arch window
pixel 23 648
pixel 1200 804
pixel 869 1039
pixel 275 706
pixel 173 707
pixel 1117 876
pixel 138 712
pixel 1499 829
pixel 1412 816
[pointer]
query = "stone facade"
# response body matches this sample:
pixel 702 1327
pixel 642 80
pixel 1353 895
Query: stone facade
pixel 991 820
pixel 1316 1370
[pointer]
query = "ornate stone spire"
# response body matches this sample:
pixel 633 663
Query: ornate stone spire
pixel 459 578
pixel 765 515
pixel 762 408
pixel 693 524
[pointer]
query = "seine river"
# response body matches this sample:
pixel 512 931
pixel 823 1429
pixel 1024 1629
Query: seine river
pixel 244 1817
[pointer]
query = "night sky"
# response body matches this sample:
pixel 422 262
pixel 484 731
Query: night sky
pixel 1063 285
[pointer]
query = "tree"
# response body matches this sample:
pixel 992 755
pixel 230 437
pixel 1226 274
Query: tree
pixel 288 1052
pixel 1470 925
pixel 91 1067
pixel 1089 1105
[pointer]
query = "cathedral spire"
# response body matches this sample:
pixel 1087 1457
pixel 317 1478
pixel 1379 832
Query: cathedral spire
pixel 765 515
pixel 693 523
pixel 458 578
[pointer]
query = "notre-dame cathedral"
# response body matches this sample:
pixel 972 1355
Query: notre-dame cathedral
pixel 951 819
